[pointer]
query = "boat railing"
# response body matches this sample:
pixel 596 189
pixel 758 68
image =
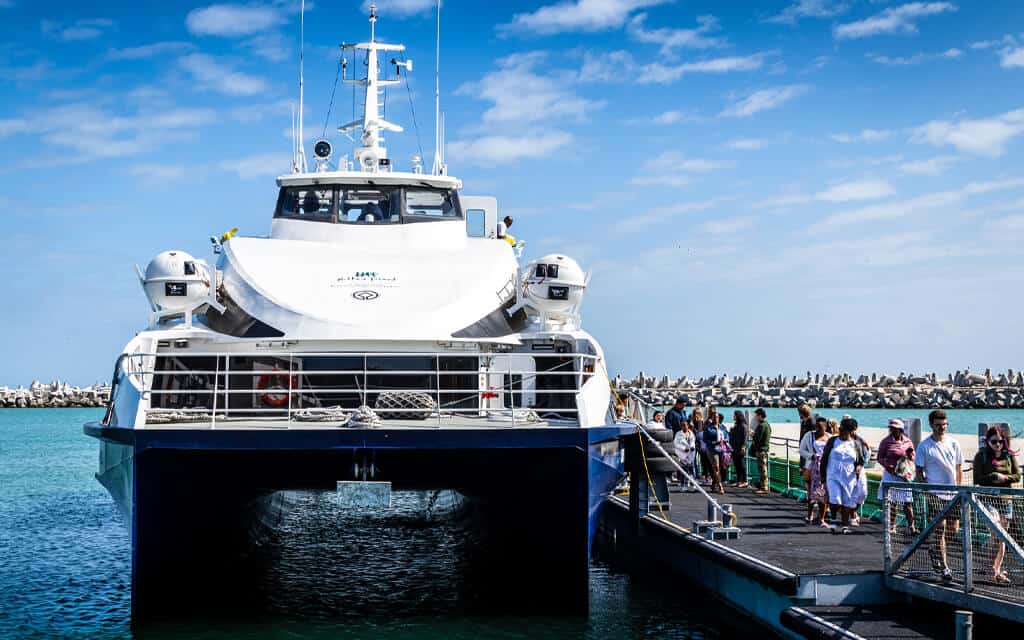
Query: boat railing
pixel 206 387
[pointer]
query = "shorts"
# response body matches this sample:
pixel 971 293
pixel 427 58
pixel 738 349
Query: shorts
pixel 995 507
pixel 936 503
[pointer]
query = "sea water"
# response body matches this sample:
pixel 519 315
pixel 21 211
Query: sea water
pixel 65 567
pixel 960 420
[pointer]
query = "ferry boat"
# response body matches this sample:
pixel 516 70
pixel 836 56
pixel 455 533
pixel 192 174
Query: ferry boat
pixel 382 336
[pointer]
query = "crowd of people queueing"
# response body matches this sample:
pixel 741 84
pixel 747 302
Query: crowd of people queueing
pixel 833 458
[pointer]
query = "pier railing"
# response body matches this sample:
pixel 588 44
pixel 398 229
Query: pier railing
pixel 720 516
pixel 957 544
pixel 208 388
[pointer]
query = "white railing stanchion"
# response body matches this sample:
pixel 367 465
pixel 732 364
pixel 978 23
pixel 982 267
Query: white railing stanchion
pixel 437 370
pixel 216 376
pixel 227 386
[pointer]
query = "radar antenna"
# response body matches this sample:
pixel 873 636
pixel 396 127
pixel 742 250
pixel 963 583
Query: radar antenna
pixel 373 156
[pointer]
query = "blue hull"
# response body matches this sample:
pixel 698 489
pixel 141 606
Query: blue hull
pixel 197 500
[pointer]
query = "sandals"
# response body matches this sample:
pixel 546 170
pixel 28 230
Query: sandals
pixel 1000 577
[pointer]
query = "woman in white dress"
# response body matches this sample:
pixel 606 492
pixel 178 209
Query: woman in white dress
pixel 841 464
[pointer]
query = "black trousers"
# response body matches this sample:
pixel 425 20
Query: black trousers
pixel 739 463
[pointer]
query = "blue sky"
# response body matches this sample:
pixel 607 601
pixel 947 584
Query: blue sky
pixel 767 187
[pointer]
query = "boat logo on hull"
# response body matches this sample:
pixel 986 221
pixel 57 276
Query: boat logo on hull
pixel 365 295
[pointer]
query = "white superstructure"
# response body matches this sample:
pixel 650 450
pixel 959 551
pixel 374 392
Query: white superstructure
pixel 367 271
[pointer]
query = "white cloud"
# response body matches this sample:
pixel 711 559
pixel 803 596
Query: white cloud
pixel 746 144
pixel 728 226
pixel 912 206
pixel 259 165
pixel 809 9
pixel 673 169
pixel 661 73
pixel 519 95
pixel 871 189
pixel 1009 225
pixel 216 76
pixel 401 8
pixel 765 99
pixel 86 29
pixel 917 58
pixel 663 180
pixel 899 19
pixel 232 20
pixel 606 67
pixel 1011 57
pixel 578 15
pixel 156 175
pixel 149 50
pixel 866 135
pixel 930 167
pixel 669 117
pixel 87 132
pixel 13 126
pixel 984 137
pixel 663 213
pixel 494 150
pixel 672 39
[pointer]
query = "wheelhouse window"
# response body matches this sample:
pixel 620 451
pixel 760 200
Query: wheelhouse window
pixel 432 203
pixel 370 205
pixel 305 203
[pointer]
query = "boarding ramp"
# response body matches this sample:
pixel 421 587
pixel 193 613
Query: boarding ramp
pixel 964 529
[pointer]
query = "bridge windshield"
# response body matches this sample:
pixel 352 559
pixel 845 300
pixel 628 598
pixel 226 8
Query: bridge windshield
pixel 368 204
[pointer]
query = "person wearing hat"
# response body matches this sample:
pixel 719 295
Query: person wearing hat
pixel 896 455
pixel 759 446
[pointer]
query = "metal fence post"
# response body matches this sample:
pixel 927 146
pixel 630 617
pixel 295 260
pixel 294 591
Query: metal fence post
pixel 964 625
pixel 787 467
pixel 965 531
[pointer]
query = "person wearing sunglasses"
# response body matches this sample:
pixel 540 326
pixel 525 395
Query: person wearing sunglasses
pixel 996 466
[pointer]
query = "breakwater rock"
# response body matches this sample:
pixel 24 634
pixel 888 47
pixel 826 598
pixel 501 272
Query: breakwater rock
pixel 959 390
pixel 54 394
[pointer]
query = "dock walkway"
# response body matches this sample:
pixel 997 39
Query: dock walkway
pixel 774 532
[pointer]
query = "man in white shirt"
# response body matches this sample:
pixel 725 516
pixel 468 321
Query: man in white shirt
pixel 939 460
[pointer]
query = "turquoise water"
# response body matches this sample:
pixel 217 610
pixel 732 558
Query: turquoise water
pixel 960 420
pixel 65 567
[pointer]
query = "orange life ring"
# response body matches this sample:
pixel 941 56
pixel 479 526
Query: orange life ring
pixel 275 381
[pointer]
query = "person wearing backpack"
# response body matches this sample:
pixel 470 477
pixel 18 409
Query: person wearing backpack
pixel 841 464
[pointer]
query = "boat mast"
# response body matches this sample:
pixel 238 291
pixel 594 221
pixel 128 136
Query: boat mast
pixel 438 167
pixel 299 152
pixel 373 156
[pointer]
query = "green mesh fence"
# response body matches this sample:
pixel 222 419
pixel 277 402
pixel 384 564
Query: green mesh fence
pixel 784 477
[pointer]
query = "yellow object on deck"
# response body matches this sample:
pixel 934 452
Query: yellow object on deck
pixel 227 235
pixel 510 239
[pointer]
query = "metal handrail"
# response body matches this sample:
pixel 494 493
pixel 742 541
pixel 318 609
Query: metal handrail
pixel 972 513
pixel 724 513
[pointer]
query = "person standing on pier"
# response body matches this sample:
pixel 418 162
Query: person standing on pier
pixel 996 466
pixel 896 455
pixel 938 461
pixel 812 447
pixel 841 464
pixel 714 440
pixel 738 436
pixel 806 426
pixel 759 446
pixel 685 445
pixel 676 416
